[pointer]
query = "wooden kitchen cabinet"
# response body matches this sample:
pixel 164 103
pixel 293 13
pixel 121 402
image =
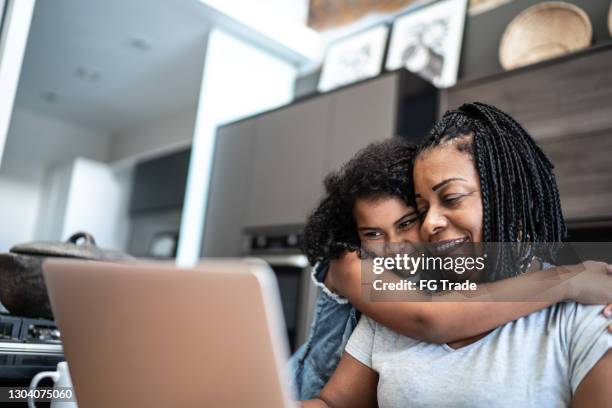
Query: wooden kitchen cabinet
pixel 361 114
pixel 288 163
pixel 225 214
pixel 268 170
pixel 566 105
pixel 299 144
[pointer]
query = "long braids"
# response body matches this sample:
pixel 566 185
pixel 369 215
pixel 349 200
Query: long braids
pixel 520 196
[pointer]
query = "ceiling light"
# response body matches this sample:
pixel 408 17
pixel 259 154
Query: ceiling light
pixel 87 74
pixel 140 43
pixel 49 96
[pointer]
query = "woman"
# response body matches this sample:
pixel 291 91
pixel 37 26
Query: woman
pixel 370 201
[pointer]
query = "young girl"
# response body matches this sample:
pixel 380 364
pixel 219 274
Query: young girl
pixel 370 200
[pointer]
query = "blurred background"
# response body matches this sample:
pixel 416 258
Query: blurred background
pixel 178 129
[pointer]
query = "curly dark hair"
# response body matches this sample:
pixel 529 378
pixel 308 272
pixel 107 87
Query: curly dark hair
pixel 380 170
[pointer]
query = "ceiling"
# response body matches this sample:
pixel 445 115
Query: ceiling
pixel 114 64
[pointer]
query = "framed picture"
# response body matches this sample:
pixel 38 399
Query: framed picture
pixel 481 6
pixel 354 58
pixel 427 41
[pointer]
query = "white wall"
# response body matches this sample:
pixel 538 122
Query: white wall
pixel 97 203
pixel 53 200
pixel 85 195
pixel 37 143
pixel 121 217
pixel 18 209
pixel 36 176
pixel 166 134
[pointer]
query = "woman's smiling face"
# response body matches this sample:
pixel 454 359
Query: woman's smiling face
pixel 448 197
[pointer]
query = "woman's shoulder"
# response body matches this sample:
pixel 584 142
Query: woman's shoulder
pixel 578 313
pixel 565 319
pixel 384 337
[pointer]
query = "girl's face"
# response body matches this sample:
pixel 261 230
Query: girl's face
pixel 385 220
pixel 448 198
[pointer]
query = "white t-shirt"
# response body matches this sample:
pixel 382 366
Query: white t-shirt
pixel 535 361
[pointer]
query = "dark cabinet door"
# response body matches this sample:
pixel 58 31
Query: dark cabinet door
pixel 361 114
pixel 228 194
pixel 288 163
pixel 159 184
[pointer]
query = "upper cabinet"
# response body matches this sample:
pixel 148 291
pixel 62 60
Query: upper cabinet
pixel 159 184
pixel 566 105
pixel 229 189
pixel 361 114
pixel 268 170
pixel 299 144
pixel 288 163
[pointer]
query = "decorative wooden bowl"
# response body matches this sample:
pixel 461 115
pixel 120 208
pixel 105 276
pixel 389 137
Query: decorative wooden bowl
pixel 610 19
pixel 544 31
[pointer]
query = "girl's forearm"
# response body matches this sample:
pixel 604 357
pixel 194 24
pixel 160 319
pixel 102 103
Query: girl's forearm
pixel 455 315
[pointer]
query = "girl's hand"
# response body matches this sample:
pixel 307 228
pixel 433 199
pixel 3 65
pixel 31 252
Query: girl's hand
pixel 343 272
pixel 591 283
pixel 608 313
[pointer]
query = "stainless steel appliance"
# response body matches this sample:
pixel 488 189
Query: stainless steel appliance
pixel 27 346
pixel 279 247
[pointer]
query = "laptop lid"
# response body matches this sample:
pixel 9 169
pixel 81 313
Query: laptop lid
pixel 157 336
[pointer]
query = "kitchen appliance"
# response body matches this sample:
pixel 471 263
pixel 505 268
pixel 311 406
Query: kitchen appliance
pixel 280 248
pixel 27 346
pixel 164 245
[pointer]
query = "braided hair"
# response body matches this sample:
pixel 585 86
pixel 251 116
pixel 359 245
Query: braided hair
pixel 520 198
pixel 380 170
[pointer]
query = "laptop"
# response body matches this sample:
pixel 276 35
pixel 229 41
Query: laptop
pixel 153 335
